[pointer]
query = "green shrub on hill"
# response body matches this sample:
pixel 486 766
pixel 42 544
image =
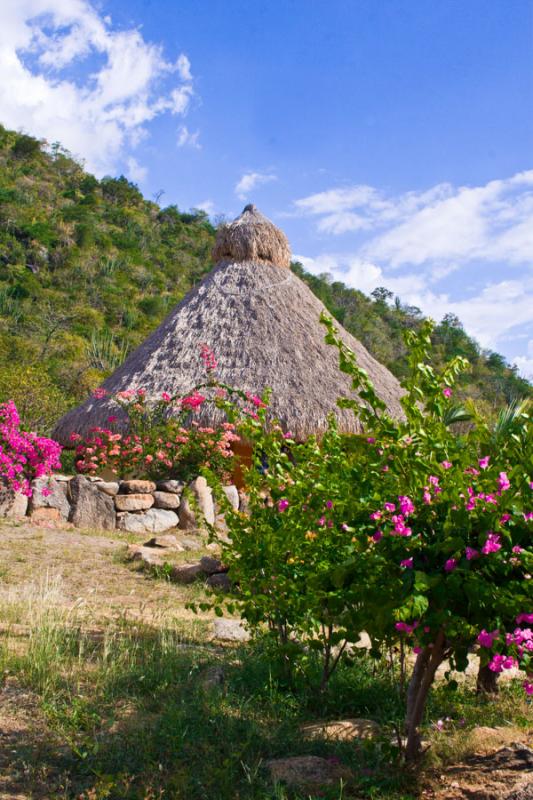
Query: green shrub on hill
pixel 85 262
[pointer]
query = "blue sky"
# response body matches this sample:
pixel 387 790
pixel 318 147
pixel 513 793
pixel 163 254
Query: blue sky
pixel 391 139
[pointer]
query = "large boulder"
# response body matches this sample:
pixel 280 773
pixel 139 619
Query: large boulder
pixel 155 520
pixel 232 493
pixel 90 508
pixel 133 502
pixel 186 572
pixel 203 499
pixel 12 504
pixel 50 493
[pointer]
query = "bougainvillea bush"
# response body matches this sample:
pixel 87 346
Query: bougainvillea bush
pixel 24 456
pixel 419 530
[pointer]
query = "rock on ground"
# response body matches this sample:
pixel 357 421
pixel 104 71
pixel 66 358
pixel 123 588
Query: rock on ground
pixel 186 573
pixel 506 774
pixel 155 520
pixel 345 730
pixel 230 630
pixel 90 508
pixel 220 581
pixel 165 542
pixel 211 565
pixel 307 771
pixel 147 555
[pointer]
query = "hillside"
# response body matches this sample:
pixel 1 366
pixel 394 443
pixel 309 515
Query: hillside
pixel 88 268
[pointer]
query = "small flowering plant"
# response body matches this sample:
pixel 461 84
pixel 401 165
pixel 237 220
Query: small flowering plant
pixel 24 456
pixel 164 436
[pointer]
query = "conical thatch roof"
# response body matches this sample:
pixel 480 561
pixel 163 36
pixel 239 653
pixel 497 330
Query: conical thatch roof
pixel 262 322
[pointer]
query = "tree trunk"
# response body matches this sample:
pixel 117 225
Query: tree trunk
pixel 487 681
pixel 427 663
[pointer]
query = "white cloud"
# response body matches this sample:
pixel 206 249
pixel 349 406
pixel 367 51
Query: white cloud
pixel 250 180
pixel 183 65
pixel 208 206
pixel 136 172
pixel 525 363
pixel 488 315
pixel 493 222
pixel 101 115
pixel 188 139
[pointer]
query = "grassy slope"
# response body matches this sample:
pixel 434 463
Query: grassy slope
pixel 104 693
pixel 88 268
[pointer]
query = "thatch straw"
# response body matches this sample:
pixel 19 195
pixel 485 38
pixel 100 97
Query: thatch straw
pixel 262 322
pixel 252 237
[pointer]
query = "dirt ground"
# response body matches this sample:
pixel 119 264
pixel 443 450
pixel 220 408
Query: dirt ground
pixel 85 572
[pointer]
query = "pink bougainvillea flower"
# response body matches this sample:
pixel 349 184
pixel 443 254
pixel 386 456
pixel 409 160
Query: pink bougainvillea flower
pixel 450 564
pixel 471 553
pixel 492 545
pixel 486 639
pixel 503 482
pixel 389 507
pixel 283 504
pixel 371 440
pixel 504 518
pixel 329 504
pixel 405 627
pixel 407 562
pixel 165 397
pixel 446 464
pixel 528 687
pixel 484 462
pixel 447 392
pixel 406 505
pixel 517 549
pixel 377 535
pixel 193 401
pixel 524 618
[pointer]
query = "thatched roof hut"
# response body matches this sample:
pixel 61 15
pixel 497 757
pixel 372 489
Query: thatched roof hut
pixel 262 322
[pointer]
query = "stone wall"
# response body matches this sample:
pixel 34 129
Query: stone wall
pixel 137 506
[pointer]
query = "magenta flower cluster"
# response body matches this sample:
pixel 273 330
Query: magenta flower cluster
pixel 518 646
pixel 24 456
